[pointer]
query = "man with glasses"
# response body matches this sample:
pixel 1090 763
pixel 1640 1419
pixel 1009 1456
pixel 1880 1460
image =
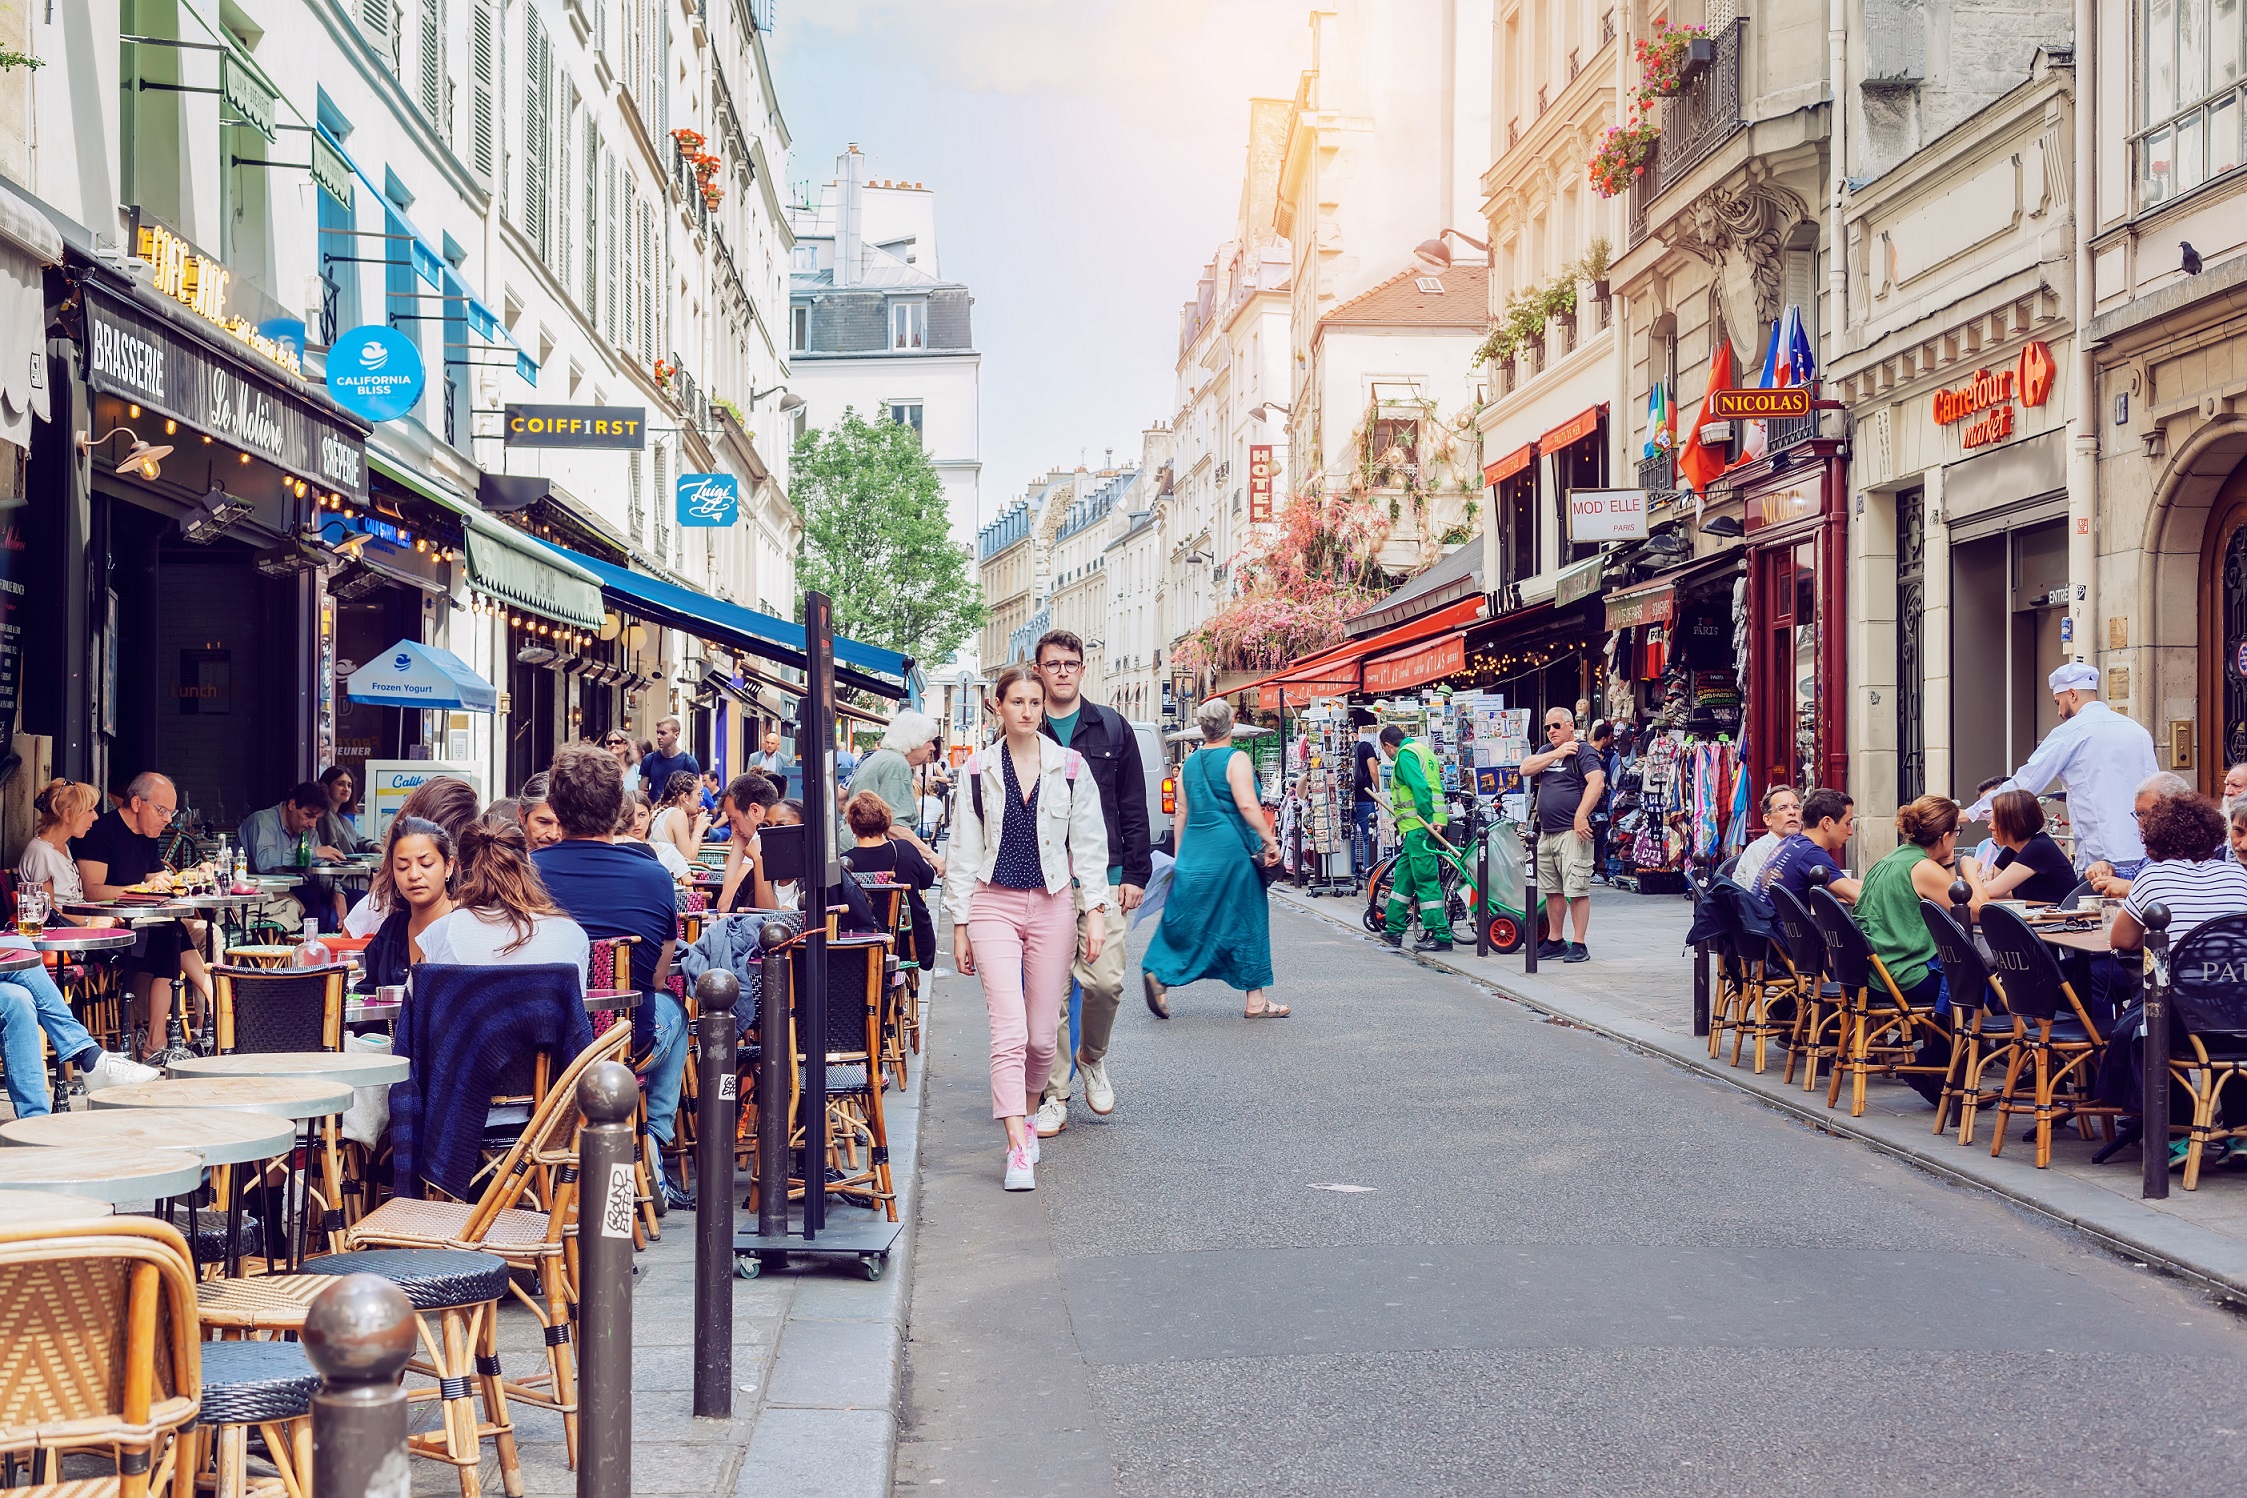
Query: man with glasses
pixel 1111 756
pixel 1569 780
pixel 124 847
pixel 1782 819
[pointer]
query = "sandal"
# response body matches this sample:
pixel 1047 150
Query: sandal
pixel 1154 992
pixel 1269 1011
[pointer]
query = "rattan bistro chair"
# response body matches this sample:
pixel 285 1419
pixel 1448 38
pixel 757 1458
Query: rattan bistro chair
pixel 857 1134
pixel 1984 1031
pixel 1879 1028
pixel 2058 1036
pixel 261 1011
pixel 1716 917
pixel 100 1349
pixel 2208 1027
pixel 1818 1001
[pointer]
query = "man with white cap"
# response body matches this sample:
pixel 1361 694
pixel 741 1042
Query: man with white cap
pixel 2098 758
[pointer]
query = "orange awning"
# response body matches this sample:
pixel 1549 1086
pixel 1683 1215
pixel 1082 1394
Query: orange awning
pixel 1336 669
pixel 1499 469
pixel 1575 429
pixel 1432 660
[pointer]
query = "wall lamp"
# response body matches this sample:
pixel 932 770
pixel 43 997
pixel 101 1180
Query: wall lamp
pixel 145 458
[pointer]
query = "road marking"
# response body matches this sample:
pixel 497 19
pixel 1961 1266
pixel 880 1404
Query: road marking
pixel 1337 1186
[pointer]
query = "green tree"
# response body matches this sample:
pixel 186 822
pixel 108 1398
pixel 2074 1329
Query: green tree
pixel 878 539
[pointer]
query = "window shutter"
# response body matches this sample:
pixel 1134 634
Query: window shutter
pixel 592 271
pixel 433 63
pixel 628 215
pixel 662 494
pixel 483 67
pixel 378 19
pixel 537 85
pixel 647 282
pixel 612 265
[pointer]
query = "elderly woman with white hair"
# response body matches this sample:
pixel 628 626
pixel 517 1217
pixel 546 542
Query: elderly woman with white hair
pixel 888 773
pixel 1215 924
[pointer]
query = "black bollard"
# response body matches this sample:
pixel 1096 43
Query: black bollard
pixel 773 1063
pixel 608 1097
pixel 717 1113
pixel 1962 906
pixel 1529 900
pixel 359 1332
pixel 1482 895
pixel 2154 1110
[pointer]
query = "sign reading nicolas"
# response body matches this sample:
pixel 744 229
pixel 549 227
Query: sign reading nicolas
pixel 142 359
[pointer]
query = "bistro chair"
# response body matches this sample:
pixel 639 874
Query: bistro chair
pixel 1984 1031
pixel 268 1385
pixel 262 1010
pixel 857 1134
pixel 2208 1014
pixel 1713 920
pixel 2058 1035
pixel 1768 976
pixel 1879 1029
pixel 97 1320
pixel 1817 1001
pixel 609 970
pixel 2074 898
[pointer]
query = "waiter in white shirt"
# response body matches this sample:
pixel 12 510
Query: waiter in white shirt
pixel 2099 758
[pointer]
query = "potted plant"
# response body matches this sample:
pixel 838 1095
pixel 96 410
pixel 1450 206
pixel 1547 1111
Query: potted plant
pixel 1623 155
pixel 1599 255
pixel 690 141
pixel 1665 56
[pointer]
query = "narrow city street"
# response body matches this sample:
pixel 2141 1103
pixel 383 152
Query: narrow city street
pixel 1417 1240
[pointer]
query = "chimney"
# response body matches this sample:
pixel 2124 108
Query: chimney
pixel 850 179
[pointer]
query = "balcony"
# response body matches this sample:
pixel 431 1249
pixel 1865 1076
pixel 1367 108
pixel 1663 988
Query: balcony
pixel 1694 123
pixel 1658 474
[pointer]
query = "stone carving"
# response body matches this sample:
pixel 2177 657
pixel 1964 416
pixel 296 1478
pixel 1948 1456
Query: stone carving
pixel 1749 222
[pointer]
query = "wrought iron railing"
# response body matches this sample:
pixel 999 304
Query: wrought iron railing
pixel 1694 123
pixel 1658 472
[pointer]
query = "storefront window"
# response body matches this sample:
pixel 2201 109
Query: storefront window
pixel 1805 656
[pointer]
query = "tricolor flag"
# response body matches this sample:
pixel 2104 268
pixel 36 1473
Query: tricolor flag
pixel 1661 421
pixel 1796 364
pixel 1756 441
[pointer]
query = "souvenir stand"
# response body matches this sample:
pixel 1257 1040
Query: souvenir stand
pixel 1323 794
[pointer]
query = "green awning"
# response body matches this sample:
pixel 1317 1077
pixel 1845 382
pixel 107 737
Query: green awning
pixel 505 563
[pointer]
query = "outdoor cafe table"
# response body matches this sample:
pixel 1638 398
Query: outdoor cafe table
pixel 221 1139
pixel 105 1172
pixel 83 939
pixel 354 1068
pixel 25 1208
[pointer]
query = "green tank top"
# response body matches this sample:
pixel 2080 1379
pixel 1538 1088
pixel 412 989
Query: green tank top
pixel 1888 912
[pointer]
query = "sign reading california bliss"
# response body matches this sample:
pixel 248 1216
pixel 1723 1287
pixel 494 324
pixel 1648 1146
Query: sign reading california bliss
pixel 624 427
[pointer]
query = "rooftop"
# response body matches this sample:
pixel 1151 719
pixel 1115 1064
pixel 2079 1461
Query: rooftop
pixel 1458 298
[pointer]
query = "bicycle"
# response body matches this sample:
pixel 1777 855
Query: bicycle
pixel 1455 872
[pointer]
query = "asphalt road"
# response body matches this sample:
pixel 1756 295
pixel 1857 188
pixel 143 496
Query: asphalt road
pixel 1563 1268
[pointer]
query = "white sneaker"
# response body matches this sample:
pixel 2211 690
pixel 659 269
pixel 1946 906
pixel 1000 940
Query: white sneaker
pixel 1053 1117
pixel 1099 1092
pixel 1032 1146
pixel 1021 1171
pixel 114 1070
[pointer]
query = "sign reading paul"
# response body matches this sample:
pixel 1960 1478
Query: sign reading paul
pixel 709 499
pixel 375 372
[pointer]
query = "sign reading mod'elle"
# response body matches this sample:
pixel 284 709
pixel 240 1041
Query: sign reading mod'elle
pixel 709 499
pixel 375 372
pixel 1607 514
pixel 1260 468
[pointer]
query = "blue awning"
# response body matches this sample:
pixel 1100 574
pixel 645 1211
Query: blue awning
pixel 866 668
pixel 411 674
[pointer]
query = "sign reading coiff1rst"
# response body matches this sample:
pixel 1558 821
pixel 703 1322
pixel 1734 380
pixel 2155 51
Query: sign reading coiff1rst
pixel 622 427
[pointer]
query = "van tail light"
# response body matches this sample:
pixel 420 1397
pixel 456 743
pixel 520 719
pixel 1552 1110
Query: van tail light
pixel 1170 795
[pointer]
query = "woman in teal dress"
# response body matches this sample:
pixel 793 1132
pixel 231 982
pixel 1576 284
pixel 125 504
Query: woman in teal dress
pixel 1214 924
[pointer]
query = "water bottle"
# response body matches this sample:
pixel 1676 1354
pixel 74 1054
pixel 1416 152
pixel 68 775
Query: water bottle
pixel 310 950
pixel 304 850
pixel 241 883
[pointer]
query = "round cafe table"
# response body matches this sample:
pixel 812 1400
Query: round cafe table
pixel 83 939
pixel 27 1208
pixel 104 1172
pixel 353 1068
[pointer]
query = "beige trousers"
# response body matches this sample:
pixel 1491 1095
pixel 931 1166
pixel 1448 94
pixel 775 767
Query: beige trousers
pixel 1102 982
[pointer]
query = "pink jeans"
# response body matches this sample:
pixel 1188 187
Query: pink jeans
pixel 1023 938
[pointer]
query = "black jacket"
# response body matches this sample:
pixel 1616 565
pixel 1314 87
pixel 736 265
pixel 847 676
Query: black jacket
pixel 1111 752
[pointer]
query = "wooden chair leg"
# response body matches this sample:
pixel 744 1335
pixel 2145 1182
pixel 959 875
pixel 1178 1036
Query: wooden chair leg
pixel 495 1398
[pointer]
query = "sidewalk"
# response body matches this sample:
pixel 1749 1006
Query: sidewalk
pixel 816 1354
pixel 1638 989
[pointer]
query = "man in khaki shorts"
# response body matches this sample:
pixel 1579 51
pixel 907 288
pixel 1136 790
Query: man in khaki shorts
pixel 1569 779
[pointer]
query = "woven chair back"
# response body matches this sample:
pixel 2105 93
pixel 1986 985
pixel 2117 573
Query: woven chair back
pixel 2208 978
pixel 1967 975
pixel 1848 954
pixel 854 995
pixel 551 1135
pixel 100 1345
pixel 264 1010
pixel 2025 966
pixel 1806 949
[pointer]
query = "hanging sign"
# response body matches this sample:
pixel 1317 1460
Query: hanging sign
pixel 1786 400
pixel 709 499
pixel 247 94
pixel 621 427
pixel 1656 605
pixel 1260 481
pixel 375 372
pixel 1607 514
pixel 330 170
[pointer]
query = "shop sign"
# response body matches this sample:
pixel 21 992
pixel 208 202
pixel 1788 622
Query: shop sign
pixel 1260 481
pixel 1573 430
pixel 1498 470
pixel 1579 581
pixel 330 170
pixel 202 284
pixel 619 427
pixel 1607 514
pixel 1411 668
pixel 375 372
pixel 1986 401
pixel 1762 405
pixel 144 361
pixel 1778 506
pixel 1646 606
pixel 247 94
pixel 709 499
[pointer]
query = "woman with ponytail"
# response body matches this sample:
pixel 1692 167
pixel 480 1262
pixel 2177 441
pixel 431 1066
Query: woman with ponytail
pixel 502 915
pixel 67 808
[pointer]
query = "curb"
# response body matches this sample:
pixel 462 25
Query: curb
pixel 2142 1234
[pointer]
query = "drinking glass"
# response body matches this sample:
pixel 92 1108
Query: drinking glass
pixel 31 912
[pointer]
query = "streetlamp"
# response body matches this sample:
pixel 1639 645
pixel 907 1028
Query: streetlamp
pixel 789 402
pixel 1262 410
pixel 1435 255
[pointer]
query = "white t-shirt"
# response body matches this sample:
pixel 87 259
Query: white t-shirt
pixel 2194 892
pixel 1753 857
pixel 43 861
pixel 674 862
pixel 476 939
pixel 366 917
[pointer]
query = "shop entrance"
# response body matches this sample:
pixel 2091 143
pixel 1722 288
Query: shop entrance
pixel 2223 632
pixel 2008 595
pixel 1785 735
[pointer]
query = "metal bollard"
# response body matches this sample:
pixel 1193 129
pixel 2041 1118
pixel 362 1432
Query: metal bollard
pixel 607 1096
pixel 359 1332
pixel 2154 1110
pixel 1482 895
pixel 1529 896
pixel 717 1115
pixel 773 1065
pixel 1962 907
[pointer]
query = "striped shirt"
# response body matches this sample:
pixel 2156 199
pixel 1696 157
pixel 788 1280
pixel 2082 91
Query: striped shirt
pixel 2194 892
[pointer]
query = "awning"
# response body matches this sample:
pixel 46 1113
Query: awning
pixel 503 561
pixel 1500 469
pixel 1651 603
pixel 1430 661
pixel 1575 429
pixel 411 674
pixel 865 668
pixel 1337 668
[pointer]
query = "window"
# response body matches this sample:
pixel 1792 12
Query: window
pixel 906 414
pixel 908 324
pixel 799 328
pixel 2190 107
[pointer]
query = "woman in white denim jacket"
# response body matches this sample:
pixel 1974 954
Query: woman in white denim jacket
pixel 1013 861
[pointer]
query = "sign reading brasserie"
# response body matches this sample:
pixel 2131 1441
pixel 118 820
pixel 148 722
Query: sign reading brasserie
pixel 1986 400
pixel 142 360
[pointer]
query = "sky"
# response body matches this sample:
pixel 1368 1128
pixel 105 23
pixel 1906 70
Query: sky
pixel 1086 156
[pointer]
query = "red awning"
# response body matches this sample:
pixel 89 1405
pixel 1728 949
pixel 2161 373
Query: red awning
pixel 1575 429
pixel 1499 469
pixel 1336 669
pixel 1429 661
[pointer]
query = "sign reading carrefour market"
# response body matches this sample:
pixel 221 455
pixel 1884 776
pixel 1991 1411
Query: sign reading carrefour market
pixel 623 427
pixel 1986 400
pixel 709 499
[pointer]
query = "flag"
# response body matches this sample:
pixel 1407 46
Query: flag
pixel 1756 441
pixel 1697 465
pixel 1661 422
pixel 1802 366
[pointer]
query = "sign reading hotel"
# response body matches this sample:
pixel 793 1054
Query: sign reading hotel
pixel 1260 481
pixel 621 427
pixel 1986 401
pixel 1786 400
pixel 1607 514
